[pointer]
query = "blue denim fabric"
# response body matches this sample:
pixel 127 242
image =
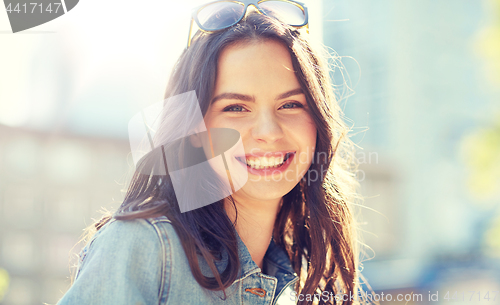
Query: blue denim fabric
pixel 142 262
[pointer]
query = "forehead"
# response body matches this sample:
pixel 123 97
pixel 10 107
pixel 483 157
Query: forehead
pixel 265 65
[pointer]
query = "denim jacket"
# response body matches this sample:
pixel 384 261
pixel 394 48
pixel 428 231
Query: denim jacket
pixel 142 261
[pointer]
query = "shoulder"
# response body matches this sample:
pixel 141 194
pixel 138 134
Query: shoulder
pixel 136 235
pixel 132 242
pixel 126 261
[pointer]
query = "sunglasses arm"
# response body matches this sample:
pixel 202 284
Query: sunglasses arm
pixel 190 32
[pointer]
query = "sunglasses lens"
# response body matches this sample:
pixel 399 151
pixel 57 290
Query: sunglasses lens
pixel 287 12
pixel 220 15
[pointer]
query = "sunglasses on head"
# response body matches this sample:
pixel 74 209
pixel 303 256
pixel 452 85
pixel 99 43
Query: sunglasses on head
pixel 219 15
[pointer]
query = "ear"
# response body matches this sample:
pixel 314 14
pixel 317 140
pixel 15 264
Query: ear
pixel 195 140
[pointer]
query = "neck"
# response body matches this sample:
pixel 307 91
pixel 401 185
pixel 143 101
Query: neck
pixel 254 225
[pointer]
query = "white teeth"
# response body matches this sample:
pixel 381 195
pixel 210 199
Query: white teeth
pixel 264 162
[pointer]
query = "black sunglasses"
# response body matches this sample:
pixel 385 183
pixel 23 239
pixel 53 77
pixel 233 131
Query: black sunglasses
pixel 219 15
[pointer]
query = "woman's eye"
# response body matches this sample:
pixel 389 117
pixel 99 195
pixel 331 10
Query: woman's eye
pixel 234 108
pixel 292 105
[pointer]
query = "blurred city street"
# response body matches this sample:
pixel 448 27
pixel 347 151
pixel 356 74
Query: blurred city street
pixel 419 82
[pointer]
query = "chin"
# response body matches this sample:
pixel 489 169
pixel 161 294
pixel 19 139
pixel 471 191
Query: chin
pixel 265 190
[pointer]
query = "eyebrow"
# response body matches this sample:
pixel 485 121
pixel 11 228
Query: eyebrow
pixel 248 98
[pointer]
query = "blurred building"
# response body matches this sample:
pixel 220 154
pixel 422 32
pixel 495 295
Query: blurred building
pixel 51 187
pixel 419 89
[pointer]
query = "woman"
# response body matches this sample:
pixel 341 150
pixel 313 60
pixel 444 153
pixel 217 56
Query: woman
pixel 284 236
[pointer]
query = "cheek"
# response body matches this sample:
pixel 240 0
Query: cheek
pixel 243 126
pixel 310 132
pixel 304 132
pixel 310 135
pixel 220 121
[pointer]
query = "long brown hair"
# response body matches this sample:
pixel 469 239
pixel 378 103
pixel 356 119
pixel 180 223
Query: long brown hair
pixel 315 222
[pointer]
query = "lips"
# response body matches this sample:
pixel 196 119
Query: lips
pixel 266 163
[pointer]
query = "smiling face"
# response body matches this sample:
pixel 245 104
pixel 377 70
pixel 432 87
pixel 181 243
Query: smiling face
pixel 258 94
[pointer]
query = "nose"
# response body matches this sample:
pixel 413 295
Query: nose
pixel 267 128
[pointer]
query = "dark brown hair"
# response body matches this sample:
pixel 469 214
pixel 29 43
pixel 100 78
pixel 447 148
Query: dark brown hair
pixel 315 222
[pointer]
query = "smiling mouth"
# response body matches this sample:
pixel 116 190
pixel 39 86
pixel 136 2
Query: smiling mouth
pixel 265 162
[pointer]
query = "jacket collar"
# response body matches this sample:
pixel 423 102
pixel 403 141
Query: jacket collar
pixel 247 265
pixel 276 260
pixel 277 264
